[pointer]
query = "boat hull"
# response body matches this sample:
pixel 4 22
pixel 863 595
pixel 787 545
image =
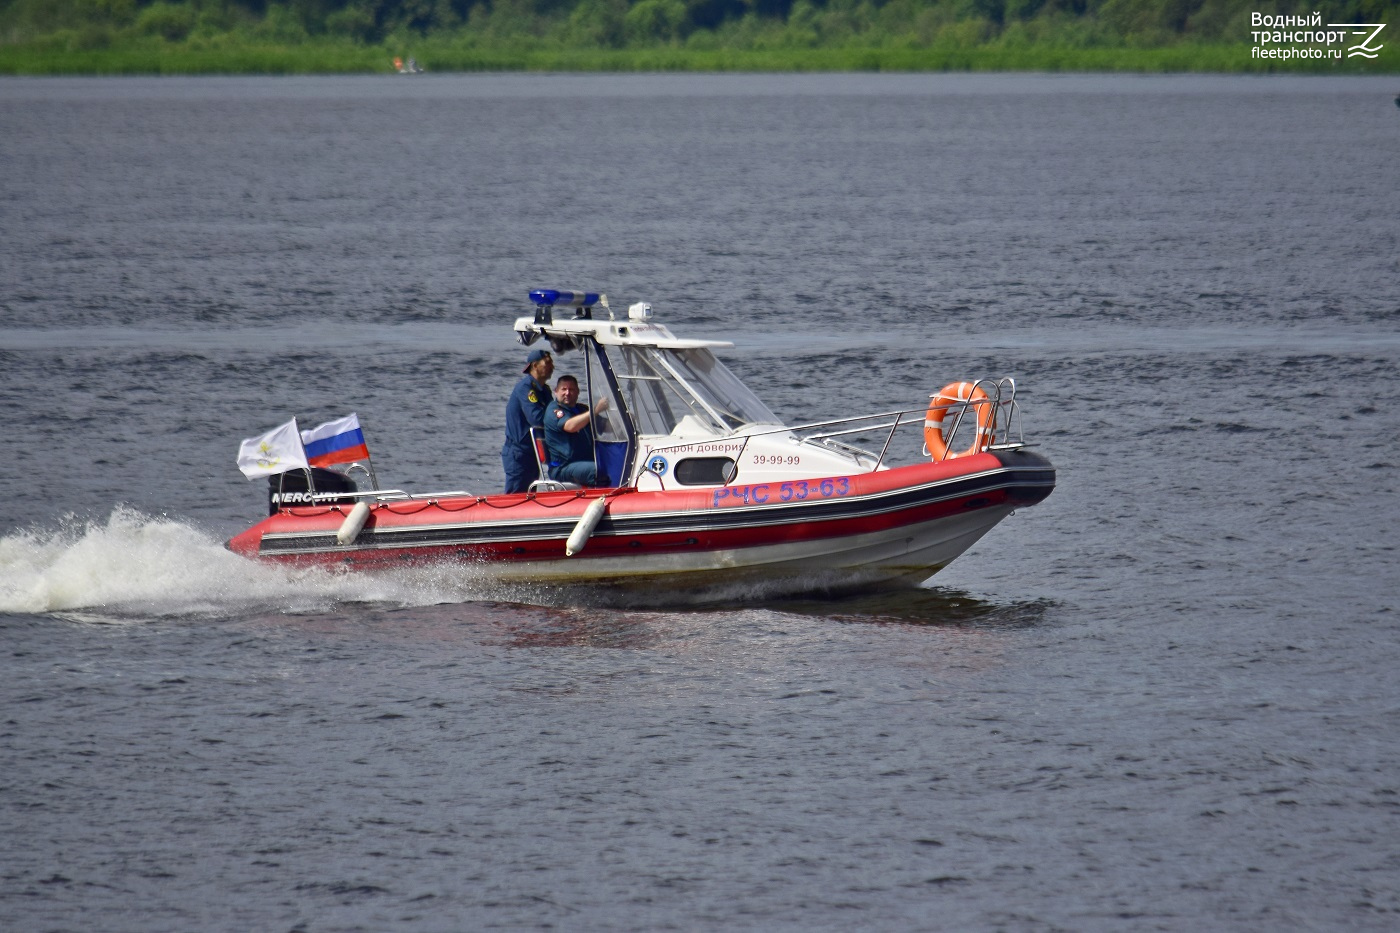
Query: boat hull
pixel 892 527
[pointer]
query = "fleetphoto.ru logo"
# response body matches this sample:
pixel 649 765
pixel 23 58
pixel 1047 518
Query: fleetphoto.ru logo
pixel 1330 41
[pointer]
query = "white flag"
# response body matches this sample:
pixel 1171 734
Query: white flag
pixel 277 451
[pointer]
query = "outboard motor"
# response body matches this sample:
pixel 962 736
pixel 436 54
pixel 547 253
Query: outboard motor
pixel 290 489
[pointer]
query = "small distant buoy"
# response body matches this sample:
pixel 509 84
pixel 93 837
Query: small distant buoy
pixel 354 522
pixel 584 529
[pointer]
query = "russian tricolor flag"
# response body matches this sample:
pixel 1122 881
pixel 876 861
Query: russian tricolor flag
pixel 339 441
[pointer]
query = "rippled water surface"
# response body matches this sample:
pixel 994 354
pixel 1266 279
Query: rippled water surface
pixel 1162 699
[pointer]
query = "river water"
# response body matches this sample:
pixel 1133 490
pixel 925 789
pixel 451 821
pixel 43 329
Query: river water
pixel 1163 699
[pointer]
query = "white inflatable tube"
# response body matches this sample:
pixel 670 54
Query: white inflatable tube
pixel 354 522
pixel 584 529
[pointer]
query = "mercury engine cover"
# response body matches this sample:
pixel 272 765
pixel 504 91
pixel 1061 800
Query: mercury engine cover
pixel 290 489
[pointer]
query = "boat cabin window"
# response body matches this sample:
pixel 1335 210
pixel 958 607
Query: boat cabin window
pixel 607 424
pixel 689 388
pixel 704 471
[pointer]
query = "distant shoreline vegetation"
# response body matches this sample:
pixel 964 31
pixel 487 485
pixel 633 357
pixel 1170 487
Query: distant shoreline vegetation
pixel 130 37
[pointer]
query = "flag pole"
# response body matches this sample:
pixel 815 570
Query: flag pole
pixel 282 477
pixel 310 480
pixel 369 458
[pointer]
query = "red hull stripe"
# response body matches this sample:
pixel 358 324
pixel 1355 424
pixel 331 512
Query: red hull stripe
pixel 533 536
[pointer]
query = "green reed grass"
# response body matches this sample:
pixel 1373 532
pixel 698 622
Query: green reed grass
pixel 447 56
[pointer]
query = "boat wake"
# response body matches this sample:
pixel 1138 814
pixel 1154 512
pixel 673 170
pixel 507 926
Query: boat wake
pixel 135 566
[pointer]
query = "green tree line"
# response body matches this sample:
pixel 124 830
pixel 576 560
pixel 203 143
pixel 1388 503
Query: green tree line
pixel 73 26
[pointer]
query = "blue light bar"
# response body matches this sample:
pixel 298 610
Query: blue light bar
pixel 546 297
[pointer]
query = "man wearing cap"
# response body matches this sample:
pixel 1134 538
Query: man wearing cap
pixel 524 410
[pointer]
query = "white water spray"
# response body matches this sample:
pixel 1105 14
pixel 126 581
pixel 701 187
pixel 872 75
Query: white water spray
pixel 136 565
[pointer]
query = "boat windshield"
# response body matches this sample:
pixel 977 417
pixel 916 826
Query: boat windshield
pixel 689 389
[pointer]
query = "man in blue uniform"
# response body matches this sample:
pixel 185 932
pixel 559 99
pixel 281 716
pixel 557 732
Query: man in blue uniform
pixel 525 409
pixel 568 435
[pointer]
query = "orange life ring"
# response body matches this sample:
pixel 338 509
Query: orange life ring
pixel 958 394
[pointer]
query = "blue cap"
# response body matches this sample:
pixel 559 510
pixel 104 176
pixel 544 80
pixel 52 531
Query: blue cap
pixel 534 357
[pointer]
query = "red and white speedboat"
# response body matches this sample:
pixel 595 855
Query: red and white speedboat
pixel 710 487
